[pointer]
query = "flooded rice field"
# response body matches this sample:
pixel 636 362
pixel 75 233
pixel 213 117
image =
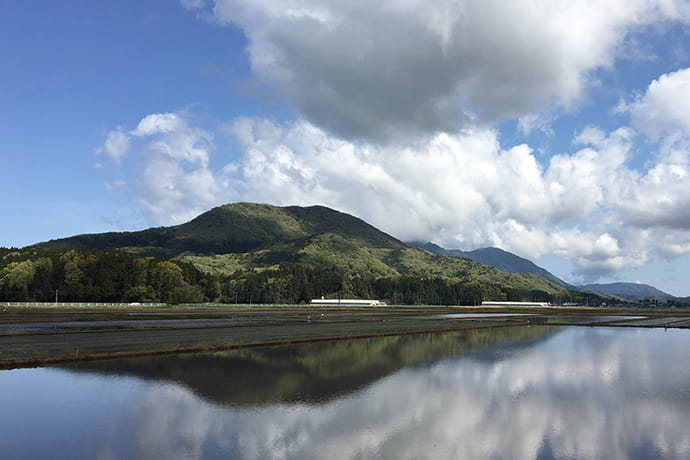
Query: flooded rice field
pixel 43 336
pixel 519 392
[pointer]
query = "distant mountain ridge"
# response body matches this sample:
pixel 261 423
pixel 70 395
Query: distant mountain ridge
pixel 497 258
pixel 623 289
pixel 511 263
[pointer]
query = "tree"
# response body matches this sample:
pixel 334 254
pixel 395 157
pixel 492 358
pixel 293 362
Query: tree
pixel 186 293
pixel 15 279
pixel 165 277
pixel 141 294
pixel 212 289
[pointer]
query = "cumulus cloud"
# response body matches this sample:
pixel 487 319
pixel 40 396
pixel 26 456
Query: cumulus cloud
pixel 659 111
pixel 173 174
pixel 658 198
pixel 158 123
pixel 387 70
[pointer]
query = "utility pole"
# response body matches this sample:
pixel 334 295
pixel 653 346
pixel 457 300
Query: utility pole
pixel 56 296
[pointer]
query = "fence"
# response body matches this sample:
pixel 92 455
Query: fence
pixel 79 304
pixel 137 304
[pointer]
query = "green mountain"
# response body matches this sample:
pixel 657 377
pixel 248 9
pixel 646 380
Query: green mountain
pixel 497 258
pixel 235 228
pixel 627 290
pixel 297 252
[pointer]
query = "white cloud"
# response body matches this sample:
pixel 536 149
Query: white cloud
pixel 656 201
pixel 158 123
pixel 116 145
pixel 393 69
pixel 173 178
pixel 662 110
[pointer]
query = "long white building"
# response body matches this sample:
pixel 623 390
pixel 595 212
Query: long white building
pixel 515 304
pixel 348 302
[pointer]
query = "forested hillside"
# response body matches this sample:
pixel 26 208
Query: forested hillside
pixel 87 275
pixel 255 253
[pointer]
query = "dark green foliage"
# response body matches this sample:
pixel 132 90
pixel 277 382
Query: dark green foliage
pixel 96 276
pixel 293 283
pixel 322 220
pixel 141 294
pixel 290 283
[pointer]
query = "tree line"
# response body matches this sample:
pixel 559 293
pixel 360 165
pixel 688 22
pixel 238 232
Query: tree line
pixel 117 276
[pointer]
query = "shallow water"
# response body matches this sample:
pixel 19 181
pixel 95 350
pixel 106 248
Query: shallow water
pixel 518 392
pixel 481 315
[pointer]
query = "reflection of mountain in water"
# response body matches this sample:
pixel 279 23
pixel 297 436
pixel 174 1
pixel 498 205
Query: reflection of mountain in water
pixel 507 349
pixel 309 372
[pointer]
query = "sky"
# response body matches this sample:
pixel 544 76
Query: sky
pixel 558 130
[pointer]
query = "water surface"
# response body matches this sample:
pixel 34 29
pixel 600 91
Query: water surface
pixel 516 392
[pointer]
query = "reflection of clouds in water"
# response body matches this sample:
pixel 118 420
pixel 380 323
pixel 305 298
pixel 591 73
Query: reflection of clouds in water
pixel 586 393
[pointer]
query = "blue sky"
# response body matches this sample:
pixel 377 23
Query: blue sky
pixel 557 130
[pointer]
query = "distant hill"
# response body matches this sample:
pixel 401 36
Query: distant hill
pixel 626 290
pixel 497 258
pixel 244 236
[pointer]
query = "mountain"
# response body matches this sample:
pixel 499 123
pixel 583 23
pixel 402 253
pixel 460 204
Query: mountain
pixel 235 228
pixel 626 290
pixel 497 258
pixel 249 236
